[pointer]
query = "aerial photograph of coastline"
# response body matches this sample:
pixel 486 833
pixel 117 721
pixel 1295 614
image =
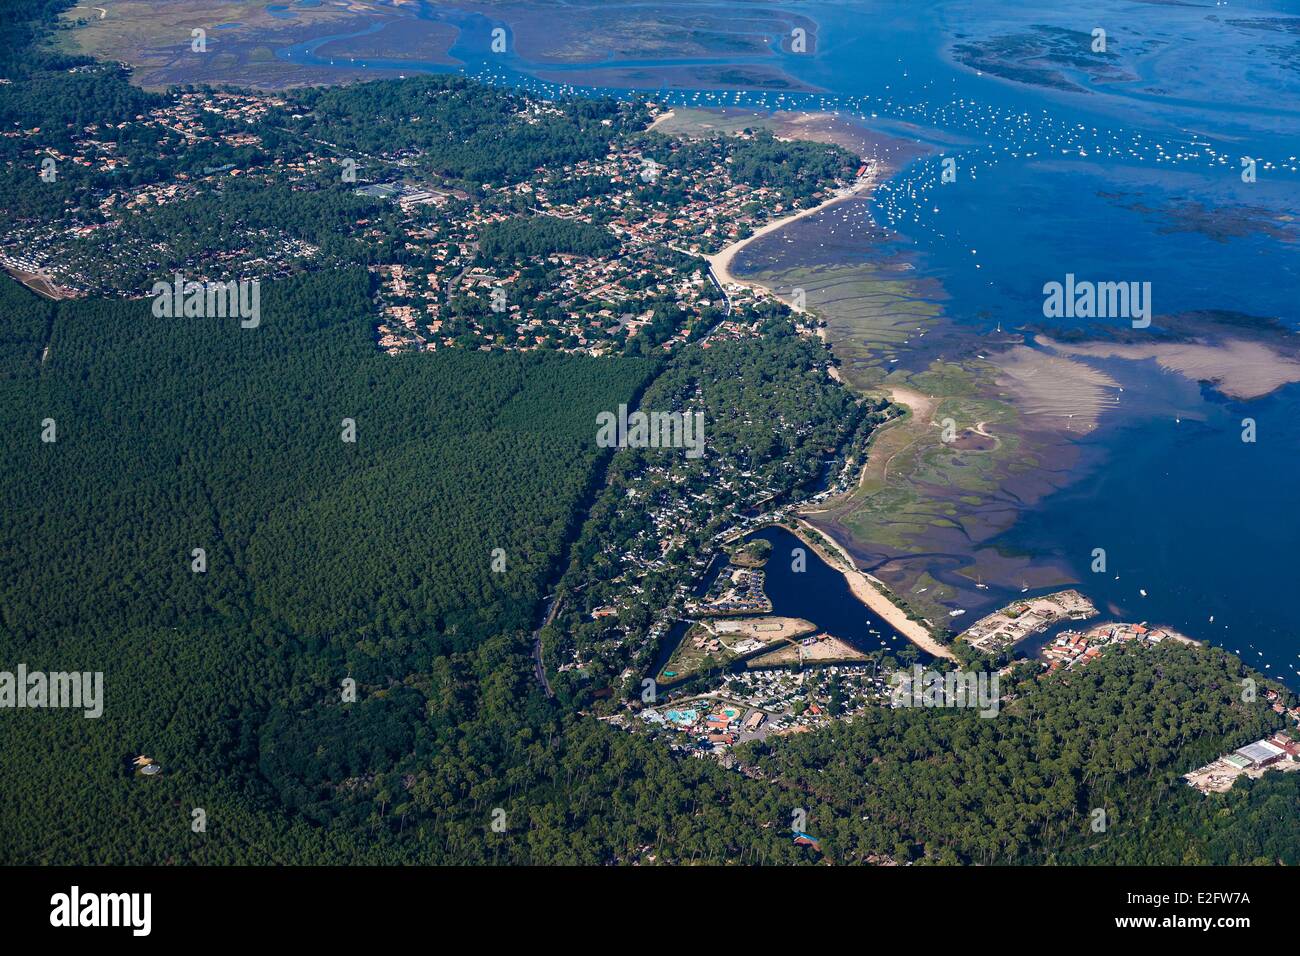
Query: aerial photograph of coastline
pixel 657 433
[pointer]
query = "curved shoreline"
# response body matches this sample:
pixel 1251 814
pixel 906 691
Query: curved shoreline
pixel 867 592
pixel 721 261
pixel 860 584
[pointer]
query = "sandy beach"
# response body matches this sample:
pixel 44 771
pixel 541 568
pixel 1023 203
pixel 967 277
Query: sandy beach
pixel 721 261
pixel 816 127
pixel 867 592
pixel 921 406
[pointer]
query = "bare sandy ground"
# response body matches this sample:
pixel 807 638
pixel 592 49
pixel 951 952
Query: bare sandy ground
pixel 922 405
pixel 39 283
pixel 867 592
pixel 768 629
pixel 1056 391
pixel 661 119
pixel 827 648
pixel 1239 368
pixel 818 120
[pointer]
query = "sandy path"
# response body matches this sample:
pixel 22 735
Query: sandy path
pixel 660 120
pixel 866 592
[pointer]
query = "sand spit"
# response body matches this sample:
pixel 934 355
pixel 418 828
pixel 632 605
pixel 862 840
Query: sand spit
pixel 1239 368
pixel 867 592
pixel 816 126
pixel 1056 391
pixel 813 127
pixel 876 466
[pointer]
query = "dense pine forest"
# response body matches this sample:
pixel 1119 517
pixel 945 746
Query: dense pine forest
pixel 1114 738
pixel 463 129
pixel 543 235
pixel 345 675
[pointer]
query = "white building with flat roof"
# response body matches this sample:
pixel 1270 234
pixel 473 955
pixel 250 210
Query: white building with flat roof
pixel 1261 753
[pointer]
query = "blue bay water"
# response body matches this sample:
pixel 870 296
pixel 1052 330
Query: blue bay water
pixel 1094 183
pixel 820 594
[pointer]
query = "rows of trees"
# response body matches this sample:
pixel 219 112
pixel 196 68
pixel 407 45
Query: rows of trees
pixel 328 560
pixel 325 559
